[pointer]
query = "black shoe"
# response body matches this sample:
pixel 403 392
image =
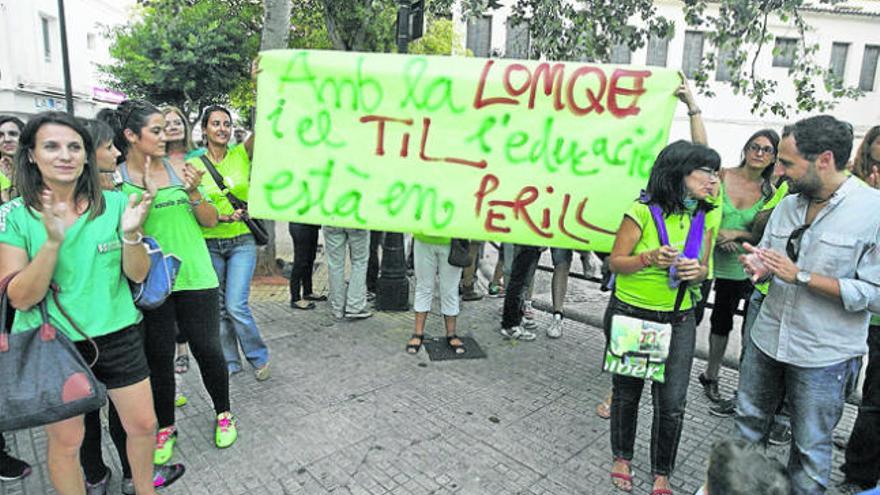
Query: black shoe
pixel 710 388
pixel 724 409
pixel 780 434
pixel 12 469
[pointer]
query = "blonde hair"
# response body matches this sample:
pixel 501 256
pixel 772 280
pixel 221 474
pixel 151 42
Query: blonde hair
pixel 187 131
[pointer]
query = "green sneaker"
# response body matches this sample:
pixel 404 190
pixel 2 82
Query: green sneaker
pixel 226 433
pixel 165 440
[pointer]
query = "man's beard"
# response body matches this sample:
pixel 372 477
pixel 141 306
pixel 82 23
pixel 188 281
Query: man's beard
pixel 809 185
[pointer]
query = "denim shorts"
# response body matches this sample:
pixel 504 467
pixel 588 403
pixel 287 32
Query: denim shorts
pixel 121 359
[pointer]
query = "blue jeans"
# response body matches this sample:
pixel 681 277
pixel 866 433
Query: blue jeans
pixel 669 398
pixel 234 261
pixel 815 397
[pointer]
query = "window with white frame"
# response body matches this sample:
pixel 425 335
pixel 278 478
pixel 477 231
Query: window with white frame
pixel 869 68
pixel 47 25
pixel 693 53
pixel 723 71
pixel 479 36
pixel 784 51
pixel 518 43
pixel 658 51
pixel 620 54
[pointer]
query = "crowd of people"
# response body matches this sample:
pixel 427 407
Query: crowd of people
pixel 781 232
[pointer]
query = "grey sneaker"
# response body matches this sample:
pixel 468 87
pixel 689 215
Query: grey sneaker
pixel 99 488
pixel 528 310
pixel 554 331
pixel 780 434
pixel 518 333
pixel 724 409
pixel 529 324
pixel 163 476
pixel 360 315
pixel 262 373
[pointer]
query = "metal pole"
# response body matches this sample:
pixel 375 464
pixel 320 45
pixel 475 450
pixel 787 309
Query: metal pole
pixel 392 288
pixel 65 58
pixel 403 7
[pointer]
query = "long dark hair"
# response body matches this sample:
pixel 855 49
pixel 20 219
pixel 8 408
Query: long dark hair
pixel 863 162
pixel 666 183
pixel 130 114
pixel 28 178
pixel 766 174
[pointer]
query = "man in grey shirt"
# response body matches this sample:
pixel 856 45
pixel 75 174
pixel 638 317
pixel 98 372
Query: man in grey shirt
pixel 821 250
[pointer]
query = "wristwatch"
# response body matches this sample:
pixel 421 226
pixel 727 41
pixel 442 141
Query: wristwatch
pixel 803 278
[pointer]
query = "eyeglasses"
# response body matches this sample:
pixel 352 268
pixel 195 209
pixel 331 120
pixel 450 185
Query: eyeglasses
pixel 757 148
pixel 711 172
pixel 793 246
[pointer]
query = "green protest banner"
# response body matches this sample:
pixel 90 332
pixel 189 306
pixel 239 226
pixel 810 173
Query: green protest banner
pixel 530 152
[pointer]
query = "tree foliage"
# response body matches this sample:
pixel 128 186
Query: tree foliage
pixel 188 53
pixel 589 29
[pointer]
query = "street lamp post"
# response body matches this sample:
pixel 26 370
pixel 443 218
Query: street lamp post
pixel 65 58
pixel 392 288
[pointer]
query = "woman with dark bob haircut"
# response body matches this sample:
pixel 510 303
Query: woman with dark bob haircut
pixel 683 176
pixel 64 229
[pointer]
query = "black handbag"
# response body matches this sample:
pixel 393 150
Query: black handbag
pixel 43 377
pixel 459 253
pixel 258 229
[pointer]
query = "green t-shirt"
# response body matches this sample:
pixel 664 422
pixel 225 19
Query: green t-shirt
pixel 174 226
pixel 781 192
pixel 94 290
pixel 713 224
pixel 727 265
pixel 5 183
pixel 649 288
pixel 236 172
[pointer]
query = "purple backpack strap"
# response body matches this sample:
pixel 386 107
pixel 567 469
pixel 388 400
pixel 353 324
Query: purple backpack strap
pixel 657 214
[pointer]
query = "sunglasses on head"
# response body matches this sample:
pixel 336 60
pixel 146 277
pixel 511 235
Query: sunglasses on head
pixel 793 246
pixel 757 148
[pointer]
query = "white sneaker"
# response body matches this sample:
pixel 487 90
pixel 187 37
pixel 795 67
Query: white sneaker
pixel 554 331
pixel 529 324
pixel 518 333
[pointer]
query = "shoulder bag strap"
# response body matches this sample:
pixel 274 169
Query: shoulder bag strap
pixel 53 287
pixel 218 179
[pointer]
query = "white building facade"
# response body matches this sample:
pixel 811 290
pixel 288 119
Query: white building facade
pixel 848 36
pixel 31 74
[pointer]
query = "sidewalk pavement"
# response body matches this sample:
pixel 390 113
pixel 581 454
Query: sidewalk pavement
pixel 348 412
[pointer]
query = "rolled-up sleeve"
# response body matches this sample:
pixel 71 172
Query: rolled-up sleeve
pixel 863 292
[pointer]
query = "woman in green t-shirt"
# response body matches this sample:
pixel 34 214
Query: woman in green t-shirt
pixel 231 244
pixel 10 130
pixel 745 191
pixel 682 177
pixel 179 211
pixel 64 229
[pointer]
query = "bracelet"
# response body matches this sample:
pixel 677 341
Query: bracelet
pixel 135 242
pixel 691 113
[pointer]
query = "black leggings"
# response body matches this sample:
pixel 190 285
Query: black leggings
pixel 196 315
pixel 90 454
pixel 305 247
pixel 728 293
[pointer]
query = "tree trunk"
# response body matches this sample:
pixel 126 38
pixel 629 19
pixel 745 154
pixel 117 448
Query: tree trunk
pixel 276 33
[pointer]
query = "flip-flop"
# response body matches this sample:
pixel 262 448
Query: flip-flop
pixel 623 477
pixel 661 491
